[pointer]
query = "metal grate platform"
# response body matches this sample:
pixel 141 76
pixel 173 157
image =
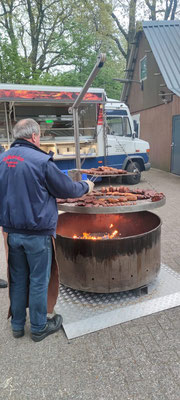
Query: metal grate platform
pixel 89 312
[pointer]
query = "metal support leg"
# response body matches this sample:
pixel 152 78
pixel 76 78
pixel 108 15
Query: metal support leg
pixel 77 144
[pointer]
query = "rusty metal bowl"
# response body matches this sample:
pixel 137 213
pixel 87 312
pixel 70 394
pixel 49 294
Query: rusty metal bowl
pixel 127 262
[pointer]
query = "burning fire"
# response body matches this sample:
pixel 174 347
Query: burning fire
pixel 97 236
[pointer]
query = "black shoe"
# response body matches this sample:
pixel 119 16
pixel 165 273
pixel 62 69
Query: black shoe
pixel 18 334
pixel 3 284
pixel 53 325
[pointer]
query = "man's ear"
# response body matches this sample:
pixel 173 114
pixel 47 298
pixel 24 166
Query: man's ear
pixel 33 137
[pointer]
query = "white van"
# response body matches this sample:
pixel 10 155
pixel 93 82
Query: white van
pixel 124 149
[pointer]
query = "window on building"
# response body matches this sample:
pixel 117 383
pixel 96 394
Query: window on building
pixel 143 68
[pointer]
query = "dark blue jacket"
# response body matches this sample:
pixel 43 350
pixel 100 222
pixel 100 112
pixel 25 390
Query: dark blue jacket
pixel 29 185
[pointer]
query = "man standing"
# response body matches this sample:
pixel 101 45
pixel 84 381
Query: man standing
pixel 3 283
pixel 30 182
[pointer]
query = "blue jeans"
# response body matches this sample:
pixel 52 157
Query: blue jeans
pixel 30 258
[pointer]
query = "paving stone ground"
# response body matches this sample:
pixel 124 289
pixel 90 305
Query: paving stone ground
pixel 137 360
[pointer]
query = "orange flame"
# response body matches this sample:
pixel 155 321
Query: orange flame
pixel 113 234
pixel 94 236
pixel 91 236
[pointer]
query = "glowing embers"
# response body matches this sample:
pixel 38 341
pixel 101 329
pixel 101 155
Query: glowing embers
pixel 99 235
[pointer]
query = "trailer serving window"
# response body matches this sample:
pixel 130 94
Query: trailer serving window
pixel 56 123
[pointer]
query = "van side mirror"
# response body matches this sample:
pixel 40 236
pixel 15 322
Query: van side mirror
pixel 135 128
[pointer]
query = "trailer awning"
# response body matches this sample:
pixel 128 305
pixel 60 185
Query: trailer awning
pixel 53 94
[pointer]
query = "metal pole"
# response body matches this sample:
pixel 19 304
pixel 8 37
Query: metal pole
pixel 99 64
pixel 76 136
pixel 74 109
pixel 105 135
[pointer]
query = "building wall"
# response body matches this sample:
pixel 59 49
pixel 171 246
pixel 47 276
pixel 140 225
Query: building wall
pixel 176 105
pixel 156 128
pixel 150 95
pixel 156 112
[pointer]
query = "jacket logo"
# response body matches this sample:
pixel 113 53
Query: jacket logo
pixel 11 160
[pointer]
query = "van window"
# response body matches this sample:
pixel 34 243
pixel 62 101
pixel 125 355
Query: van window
pixel 143 68
pixel 118 126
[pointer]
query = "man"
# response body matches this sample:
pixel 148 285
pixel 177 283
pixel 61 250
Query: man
pixel 30 182
pixel 3 283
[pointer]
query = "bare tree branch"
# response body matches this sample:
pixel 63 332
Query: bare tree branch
pixel 174 10
pixel 119 26
pixel 168 9
pixel 116 40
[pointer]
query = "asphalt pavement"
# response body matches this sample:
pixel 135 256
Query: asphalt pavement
pixel 136 360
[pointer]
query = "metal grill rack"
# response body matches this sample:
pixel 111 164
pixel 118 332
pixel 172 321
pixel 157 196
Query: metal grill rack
pixel 141 205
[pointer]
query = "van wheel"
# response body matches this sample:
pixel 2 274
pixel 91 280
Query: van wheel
pixel 133 179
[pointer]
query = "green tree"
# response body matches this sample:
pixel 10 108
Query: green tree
pixel 51 34
pixel 112 69
pixel 13 67
pixel 57 42
pixel 41 30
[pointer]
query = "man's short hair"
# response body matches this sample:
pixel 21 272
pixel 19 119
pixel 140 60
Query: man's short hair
pixel 25 128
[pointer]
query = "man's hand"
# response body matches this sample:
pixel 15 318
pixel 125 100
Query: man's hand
pixel 91 186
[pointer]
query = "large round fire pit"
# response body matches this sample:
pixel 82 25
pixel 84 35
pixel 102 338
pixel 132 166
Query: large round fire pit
pixel 106 253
